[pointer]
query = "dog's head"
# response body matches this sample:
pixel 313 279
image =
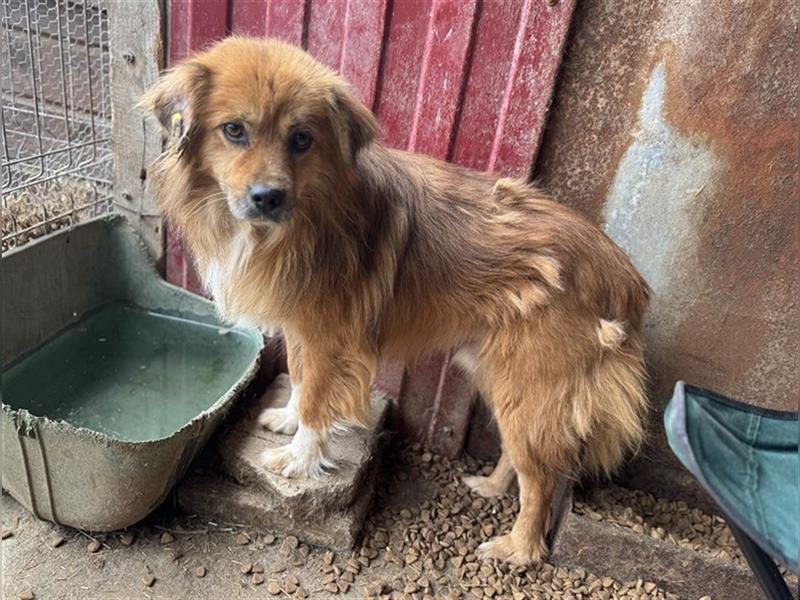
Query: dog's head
pixel 268 123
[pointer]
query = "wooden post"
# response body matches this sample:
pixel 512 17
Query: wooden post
pixel 136 36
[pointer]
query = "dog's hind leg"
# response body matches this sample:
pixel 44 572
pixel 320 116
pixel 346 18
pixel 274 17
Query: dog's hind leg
pixel 525 543
pixel 497 483
pixel 285 419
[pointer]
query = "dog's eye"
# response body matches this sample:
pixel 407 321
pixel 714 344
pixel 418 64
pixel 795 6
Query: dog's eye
pixel 299 141
pixel 234 132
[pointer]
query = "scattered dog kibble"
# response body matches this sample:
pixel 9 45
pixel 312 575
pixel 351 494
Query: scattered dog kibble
pixel 199 571
pixel 127 539
pixel 56 541
pixel 292 584
pixel 148 580
pixel 242 539
pixel 94 546
pixel 258 568
pixel 167 538
pixel 27 595
pixel 274 588
pixel 278 567
pixel 268 539
pixel 257 579
pixel 331 588
pixel 289 545
pixel 246 568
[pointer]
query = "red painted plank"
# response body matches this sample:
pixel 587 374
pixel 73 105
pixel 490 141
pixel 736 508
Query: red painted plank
pixel 326 30
pixel 403 55
pixel 195 25
pixel 438 94
pixel 538 51
pixel 248 17
pixel 517 51
pixel 435 405
pixel 287 20
pixel 362 43
pixel 483 92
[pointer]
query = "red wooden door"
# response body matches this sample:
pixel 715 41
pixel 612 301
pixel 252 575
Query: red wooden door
pixel 464 80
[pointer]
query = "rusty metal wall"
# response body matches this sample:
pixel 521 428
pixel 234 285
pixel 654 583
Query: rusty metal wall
pixel 675 126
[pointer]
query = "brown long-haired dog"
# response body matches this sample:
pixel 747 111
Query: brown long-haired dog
pixel 298 217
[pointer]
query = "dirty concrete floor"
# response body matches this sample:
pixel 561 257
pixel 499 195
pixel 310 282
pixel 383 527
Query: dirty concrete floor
pixel 419 542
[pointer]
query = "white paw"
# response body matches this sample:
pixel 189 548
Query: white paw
pixel 305 457
pixel 483 486
pixel 279 420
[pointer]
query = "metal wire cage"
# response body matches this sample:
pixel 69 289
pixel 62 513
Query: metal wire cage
pixel 55 117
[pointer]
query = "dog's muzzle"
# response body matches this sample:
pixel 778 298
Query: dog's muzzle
pixel 265 203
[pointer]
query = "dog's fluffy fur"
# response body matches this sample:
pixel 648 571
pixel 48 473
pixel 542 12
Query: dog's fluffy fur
pixel 387 253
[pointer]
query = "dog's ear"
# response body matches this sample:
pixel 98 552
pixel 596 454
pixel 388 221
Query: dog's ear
pixel 356 125
pixel 175 101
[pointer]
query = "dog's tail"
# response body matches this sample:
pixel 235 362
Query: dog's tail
pixel 611 403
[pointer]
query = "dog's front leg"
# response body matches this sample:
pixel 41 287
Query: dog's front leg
pixel 334 392
pixel 285 419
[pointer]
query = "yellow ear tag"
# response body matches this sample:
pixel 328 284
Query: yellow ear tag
pixel 178 137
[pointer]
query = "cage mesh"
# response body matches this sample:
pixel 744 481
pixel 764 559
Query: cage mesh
pixel 56 115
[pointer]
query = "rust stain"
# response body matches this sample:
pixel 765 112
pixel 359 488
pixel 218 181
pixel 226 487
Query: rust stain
pixel 730 318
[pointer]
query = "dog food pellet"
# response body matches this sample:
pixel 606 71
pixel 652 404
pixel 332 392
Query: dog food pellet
pixel 328 558
pixel 331 587
pixel 128 539
pixel 298 560
pixel 273 588
pixel 257 579
pixel 288 546
pixel 258 568
pixel 246 568
pixel 7 533
pixel 56 541
pixel 148 580
pixel 242 539
pixel 290 586
pixel 93 546
pixel 268 539
pixel 199 571
pixel 167 538
pixel 344 587
pixel 27 595
pixel 278 567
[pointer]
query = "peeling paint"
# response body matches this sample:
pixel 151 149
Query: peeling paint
pixel 656 198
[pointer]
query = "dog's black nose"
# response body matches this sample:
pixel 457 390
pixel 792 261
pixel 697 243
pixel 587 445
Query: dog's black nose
pixel 266 199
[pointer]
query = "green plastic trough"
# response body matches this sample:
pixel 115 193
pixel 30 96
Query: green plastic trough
pixel 113 380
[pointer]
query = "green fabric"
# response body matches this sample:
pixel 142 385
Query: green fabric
pixel 747 458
